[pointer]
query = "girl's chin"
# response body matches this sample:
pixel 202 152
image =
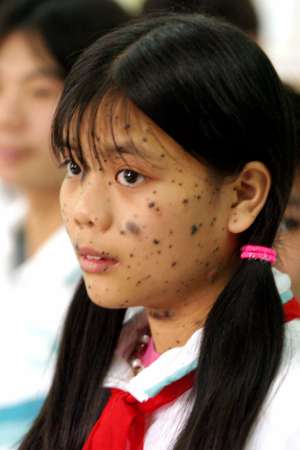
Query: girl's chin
pixel 107 304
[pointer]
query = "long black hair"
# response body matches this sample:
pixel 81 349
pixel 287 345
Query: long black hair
pixel 67 27
pixel 216 93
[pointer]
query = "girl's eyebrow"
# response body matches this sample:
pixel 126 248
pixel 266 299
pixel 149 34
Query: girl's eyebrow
pixel 44 72
pixel 129 148
pixel 294 201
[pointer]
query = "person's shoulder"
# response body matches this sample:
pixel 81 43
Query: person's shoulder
pixel 278 426
pixel 289 372
pixel 291 352
pixel 284 398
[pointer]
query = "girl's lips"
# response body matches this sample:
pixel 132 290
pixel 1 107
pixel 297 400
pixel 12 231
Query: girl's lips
pixel 92 261
pixel 96 265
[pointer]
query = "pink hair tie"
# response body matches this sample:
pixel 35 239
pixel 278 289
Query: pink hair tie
pixel 259 252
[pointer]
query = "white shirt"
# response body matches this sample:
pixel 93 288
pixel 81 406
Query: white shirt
pixel 278 425
pixel 34 297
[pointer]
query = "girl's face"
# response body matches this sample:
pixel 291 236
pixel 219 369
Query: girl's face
pixel 290 237
pixel 149 223
pixel 30 87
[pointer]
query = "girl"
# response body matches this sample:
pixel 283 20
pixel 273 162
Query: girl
pixel 290 227
pixel 40 40
pixel 172 130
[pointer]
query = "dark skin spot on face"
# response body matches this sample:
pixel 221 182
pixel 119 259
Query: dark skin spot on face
pixel 177 341
pixel 161 315
pixel 162 155
pixel 110 182
pixel 127 126
pixel 139 282
pixel 154 192
pixel 157 209
pixel 133 228
pixel 151 205
pixel 128 278
pixel 174 263
pixel 131 255
pixel 145 139
pixel 172 181
pixel 122 232
pixel 234 205
pixel 213 222
pixel 194 229
pixel 185 201
pixel 179 184
pixel 171 232
pixel 170 246
pixel 156 241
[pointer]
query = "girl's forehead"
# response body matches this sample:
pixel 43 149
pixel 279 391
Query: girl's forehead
pixel 118 127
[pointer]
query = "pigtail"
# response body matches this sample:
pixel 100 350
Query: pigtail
pixel 240 356
pixel 76 397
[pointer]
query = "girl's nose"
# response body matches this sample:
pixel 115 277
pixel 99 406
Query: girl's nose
pixel 93 210
pixel 82 219
pixel 11 111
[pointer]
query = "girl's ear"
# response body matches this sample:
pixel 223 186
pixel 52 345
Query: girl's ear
pixel 250 192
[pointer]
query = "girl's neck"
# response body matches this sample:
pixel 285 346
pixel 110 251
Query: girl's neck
pixel 42 220
pixel 174 326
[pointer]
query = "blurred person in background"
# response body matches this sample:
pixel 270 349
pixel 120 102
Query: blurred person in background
pixel 289 236
pixel 240 13
pixel 39 41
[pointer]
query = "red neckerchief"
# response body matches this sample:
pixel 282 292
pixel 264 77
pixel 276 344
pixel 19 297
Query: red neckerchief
pixel 121 425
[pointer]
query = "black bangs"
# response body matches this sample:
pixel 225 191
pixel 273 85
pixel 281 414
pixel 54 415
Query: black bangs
pixel 94 128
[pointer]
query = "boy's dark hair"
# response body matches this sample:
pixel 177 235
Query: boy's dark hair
pixel 66 26
pixel 240 13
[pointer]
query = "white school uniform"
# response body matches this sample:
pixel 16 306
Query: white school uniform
pixel 278 425
pixel 34 297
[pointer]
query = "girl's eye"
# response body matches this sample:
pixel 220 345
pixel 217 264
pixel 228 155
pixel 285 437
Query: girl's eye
pixel 72 168
pixel 289 224
pixel 128 177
